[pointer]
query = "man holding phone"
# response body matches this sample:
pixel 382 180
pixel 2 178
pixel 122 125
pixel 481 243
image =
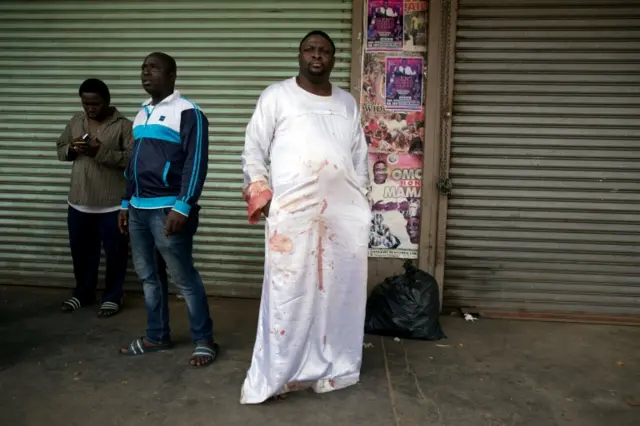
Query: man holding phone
pixel 98 142
pixel 160 211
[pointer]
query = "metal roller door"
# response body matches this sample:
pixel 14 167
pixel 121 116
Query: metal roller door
pixel 227 53
pixel 545 158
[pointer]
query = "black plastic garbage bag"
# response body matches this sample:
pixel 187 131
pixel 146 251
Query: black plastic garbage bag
pixel 406 306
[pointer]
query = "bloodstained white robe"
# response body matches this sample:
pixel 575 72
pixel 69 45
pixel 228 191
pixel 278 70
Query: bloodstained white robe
pixel 311 324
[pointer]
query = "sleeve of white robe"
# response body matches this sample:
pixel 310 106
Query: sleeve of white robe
pixel 360 154
pixel 258 137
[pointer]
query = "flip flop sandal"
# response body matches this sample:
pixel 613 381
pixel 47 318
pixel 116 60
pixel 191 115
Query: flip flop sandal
pixel 137 348
pixel 108 309
pixel 70 305
pixel 208 351
pixel 279 397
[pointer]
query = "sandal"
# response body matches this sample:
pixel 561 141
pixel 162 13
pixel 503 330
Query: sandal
pixel 70 305
pixel 279 397
pixel 108 309
pixel 142 346
pixel 204 354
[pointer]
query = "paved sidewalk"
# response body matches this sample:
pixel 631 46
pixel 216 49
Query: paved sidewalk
pixel 64 370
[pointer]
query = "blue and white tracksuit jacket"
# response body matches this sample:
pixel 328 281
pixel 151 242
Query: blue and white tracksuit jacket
pixel 169 162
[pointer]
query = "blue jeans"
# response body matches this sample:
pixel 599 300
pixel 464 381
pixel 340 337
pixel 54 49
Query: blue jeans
pixel 146 228
pixel 88 233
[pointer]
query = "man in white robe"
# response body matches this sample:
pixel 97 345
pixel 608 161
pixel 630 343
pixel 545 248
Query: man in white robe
pixel 314 197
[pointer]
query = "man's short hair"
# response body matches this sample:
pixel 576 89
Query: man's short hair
pixel 167 60
pixel 321 34
pixel 93 85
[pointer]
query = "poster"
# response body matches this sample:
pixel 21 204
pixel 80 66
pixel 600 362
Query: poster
pixel 396 132
pixel 372 95
pixel 415 25
pixel 385 24
pixel 393 121
pixel 403 83
pixel 396 181
pixel 387 131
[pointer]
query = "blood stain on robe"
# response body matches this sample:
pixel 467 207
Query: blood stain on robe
pixel 321 166
pixel 320 266
pixel 280 243
pixel 322 229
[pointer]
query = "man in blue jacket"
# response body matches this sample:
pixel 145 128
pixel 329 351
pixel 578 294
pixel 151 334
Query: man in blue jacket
pixel 165 175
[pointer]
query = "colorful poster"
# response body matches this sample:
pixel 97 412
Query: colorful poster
pixel 415 25
pixel 397 132
pixel 372 94
pixel 396 181
pixel 393 121
pixel 387 130
pixel 372 97
pixel 385 25
pixel 403 83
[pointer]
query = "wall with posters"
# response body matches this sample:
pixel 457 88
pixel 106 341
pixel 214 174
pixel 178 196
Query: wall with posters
pixel 392 104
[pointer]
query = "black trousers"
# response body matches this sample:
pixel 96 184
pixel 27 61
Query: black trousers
pixel 89 233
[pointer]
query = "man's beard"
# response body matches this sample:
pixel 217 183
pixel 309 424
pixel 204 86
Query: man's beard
pixel 314 73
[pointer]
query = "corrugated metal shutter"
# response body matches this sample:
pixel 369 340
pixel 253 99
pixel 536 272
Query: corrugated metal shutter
pixel 545 158
pixel 227 53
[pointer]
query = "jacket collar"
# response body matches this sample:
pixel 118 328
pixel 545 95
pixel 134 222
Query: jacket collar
pixel 175 95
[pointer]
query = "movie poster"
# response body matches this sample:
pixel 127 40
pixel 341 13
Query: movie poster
pixel 415 25
pixel 403 83
pixel 396 181
pixel 385 25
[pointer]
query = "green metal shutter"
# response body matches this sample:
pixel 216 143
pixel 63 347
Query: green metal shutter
pixel 545 158
pixel 227 53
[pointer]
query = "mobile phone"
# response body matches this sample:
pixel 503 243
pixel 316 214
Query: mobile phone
pixel 86 138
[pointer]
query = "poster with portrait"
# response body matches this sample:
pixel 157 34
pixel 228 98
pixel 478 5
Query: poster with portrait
pixel 403 83
pixel 372 96
pixel 396 181
pixel 415 25
pixel 385 24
